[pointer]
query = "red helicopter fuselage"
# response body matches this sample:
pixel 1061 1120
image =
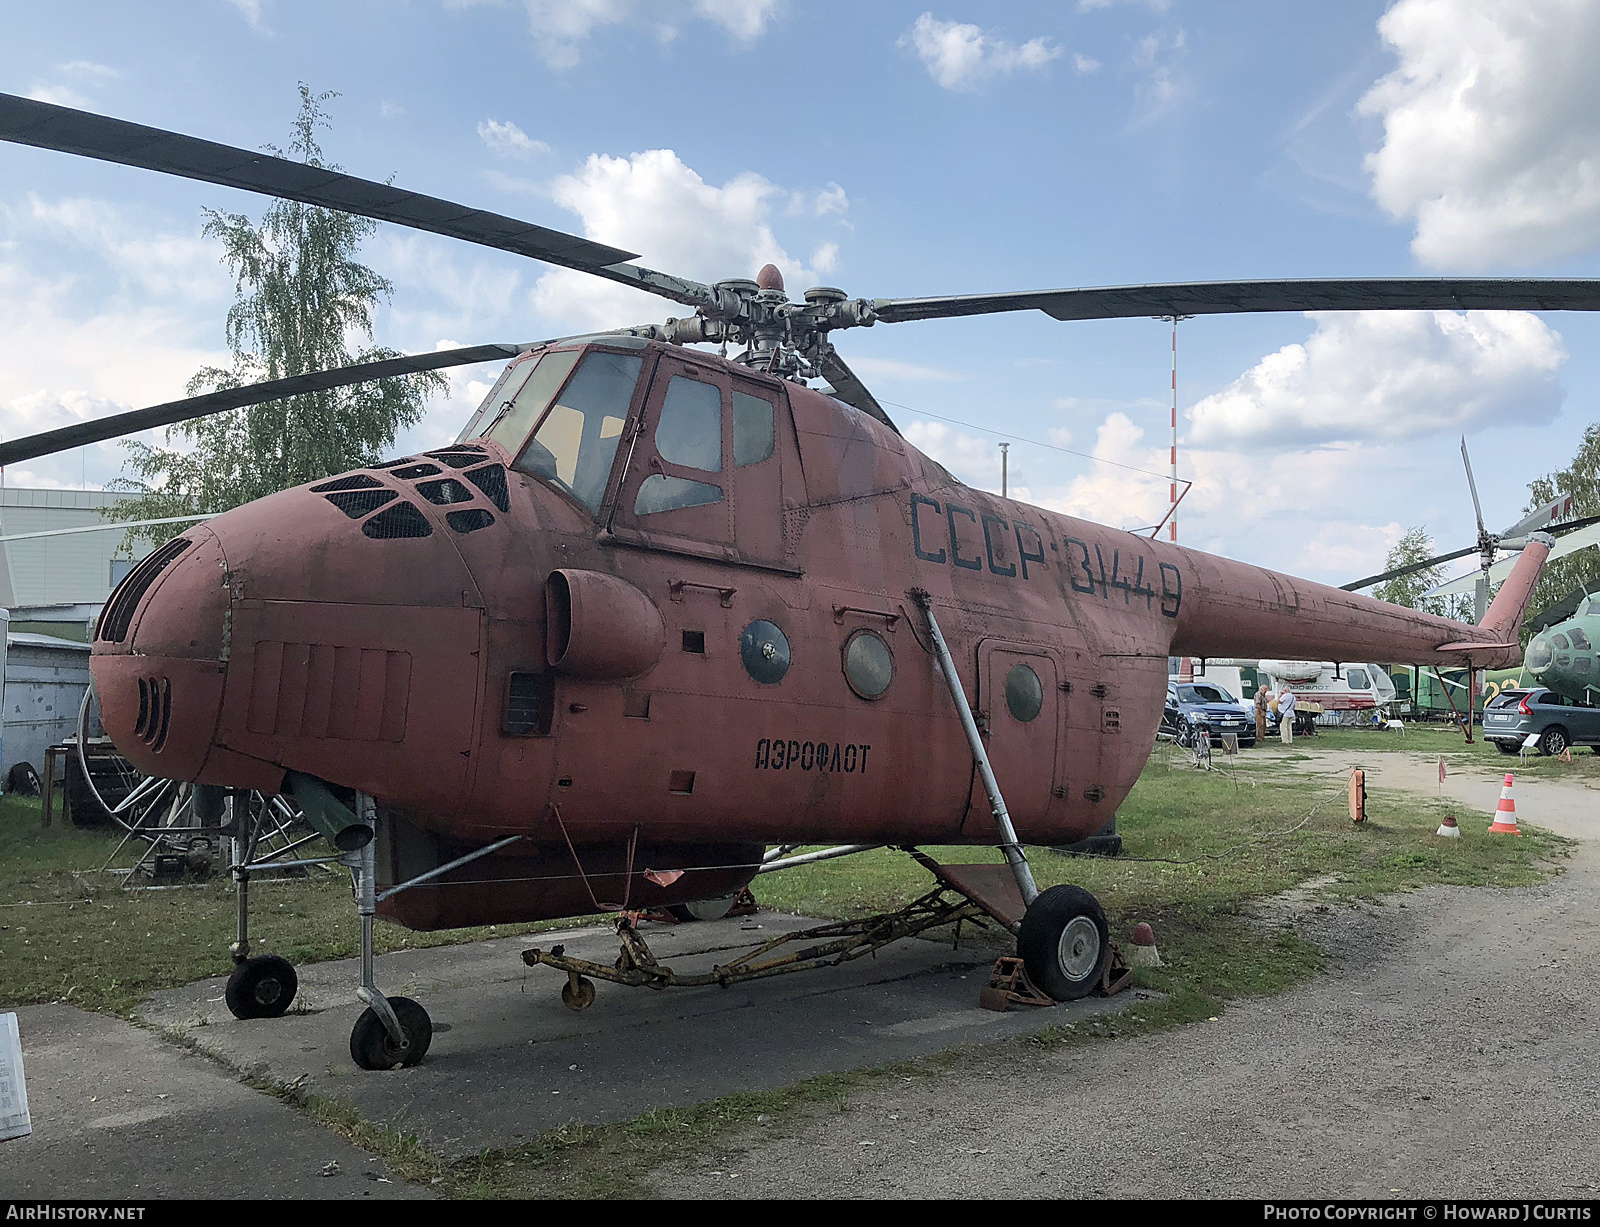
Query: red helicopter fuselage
pixel 653 616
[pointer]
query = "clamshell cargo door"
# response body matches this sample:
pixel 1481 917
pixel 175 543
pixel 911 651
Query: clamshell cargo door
pixel 1020 715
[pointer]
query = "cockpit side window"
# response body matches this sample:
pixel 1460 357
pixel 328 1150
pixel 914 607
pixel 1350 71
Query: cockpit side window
pixel 511 425
pixel 1579 639
pixel 690 430
pixel 576 442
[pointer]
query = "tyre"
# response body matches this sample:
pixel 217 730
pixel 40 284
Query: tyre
pixel 1064 942
pixel 1511 747
pixel 371 1047
pixel 704 909
pixel 579 996
pixel 261 987
pixel 1553 740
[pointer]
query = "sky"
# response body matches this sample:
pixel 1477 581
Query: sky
pixel 895 150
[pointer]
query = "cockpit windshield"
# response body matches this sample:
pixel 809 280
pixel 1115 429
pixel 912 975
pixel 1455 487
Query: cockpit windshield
pixel 576 442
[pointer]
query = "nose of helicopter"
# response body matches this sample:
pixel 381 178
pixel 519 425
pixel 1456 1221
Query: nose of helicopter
pixel 293 633
pixel 160 655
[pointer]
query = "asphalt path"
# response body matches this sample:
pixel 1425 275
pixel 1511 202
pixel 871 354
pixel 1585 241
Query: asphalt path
pixel 1450 1050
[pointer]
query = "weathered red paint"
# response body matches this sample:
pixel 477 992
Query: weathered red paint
pixel 290 639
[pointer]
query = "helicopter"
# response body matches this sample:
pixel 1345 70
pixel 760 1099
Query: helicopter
pixel 658 617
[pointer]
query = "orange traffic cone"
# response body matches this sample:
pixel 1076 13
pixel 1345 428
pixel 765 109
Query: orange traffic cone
pixel 1505 818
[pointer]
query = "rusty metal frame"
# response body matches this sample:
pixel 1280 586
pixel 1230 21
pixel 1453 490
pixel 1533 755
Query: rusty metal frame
pixel 841 942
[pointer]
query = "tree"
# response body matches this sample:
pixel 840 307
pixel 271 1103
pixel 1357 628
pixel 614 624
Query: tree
pixel 302 299
pixel 1581 479
pixel 1415 546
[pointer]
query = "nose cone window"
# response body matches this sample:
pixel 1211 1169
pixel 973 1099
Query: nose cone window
pixel 690 430
pixel 577 441
pixel 1539 654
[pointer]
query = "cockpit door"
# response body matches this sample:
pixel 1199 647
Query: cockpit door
pixel 675 491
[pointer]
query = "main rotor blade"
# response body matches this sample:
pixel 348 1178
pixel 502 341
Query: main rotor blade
pixel 1473 486
pixel 135 420
pixel 849 388
pixel 44 125
pixel 1230 297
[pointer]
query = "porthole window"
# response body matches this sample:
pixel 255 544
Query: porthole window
pixel 765 652
pixel 1024 693
pixel 868 664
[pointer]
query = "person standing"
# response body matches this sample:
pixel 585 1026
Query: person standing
pixel 1261 711
pixel 1286 715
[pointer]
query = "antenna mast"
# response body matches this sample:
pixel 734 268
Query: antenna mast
pixel 1172 513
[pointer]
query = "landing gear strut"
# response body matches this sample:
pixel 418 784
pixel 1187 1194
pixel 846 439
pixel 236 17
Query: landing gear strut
pixel 389 1032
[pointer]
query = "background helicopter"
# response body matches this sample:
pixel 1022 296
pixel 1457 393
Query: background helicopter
pixel 657 610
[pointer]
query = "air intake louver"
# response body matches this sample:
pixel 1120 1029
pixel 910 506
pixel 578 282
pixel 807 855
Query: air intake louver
pixel 155 712
pixel 492 481
pixel 118 614
pixel 401 520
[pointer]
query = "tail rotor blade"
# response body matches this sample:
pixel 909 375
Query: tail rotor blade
pixel 1473 486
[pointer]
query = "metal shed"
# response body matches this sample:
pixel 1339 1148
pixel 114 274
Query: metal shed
pixel 45 678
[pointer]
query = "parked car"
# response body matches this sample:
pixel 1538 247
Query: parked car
pixel 1556 720
pixel 1202 705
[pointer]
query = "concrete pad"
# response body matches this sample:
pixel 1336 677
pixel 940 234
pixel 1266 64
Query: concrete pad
pixel 119 1113
pixel 509 1061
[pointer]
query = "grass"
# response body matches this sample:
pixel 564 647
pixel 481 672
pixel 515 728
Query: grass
pixel 70 933
pixel 1203 849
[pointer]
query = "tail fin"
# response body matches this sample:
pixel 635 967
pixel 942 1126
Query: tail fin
pixel 1504 618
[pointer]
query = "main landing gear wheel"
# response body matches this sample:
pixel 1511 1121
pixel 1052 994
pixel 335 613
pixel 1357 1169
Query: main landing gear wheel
pixel 372 1048
pixel 1065 942
pixel 704 909
pixel 261 987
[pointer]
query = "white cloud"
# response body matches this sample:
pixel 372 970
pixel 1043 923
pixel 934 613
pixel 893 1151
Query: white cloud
pixel 889 368
pixel 654 204
pixel 250 10
pixel 971 458
pixel 390 109
pixel 745 20
pixel 1390 375
pixel 560 28
pixel 1160 88
pixel 963 57
pixel 117 332
pixel 825 257
pixel 506 140
pixel 60 95
pixel 1491 129
pixel 1089 6
pixel 1083 65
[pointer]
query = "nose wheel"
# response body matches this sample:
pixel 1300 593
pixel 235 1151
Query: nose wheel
pixel 261 987
pixel 373 1046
